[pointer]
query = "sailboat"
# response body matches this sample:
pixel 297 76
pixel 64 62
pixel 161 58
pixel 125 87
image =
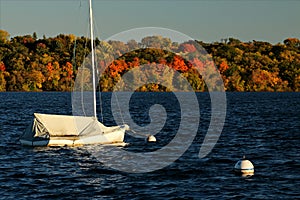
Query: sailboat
pixel 64 130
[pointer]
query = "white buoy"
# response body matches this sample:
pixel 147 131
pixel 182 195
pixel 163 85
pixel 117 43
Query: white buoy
pixel 151 138
pixel 244 167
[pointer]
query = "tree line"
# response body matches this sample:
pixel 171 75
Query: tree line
pixel 51 64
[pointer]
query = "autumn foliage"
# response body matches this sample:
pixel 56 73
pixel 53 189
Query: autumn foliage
pixel 51 64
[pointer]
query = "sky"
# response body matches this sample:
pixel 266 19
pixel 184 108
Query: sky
pixel 205 20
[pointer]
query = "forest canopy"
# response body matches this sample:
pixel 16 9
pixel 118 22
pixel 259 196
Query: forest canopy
pixel 51 64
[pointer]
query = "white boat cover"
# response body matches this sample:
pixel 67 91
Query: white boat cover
pixel 45 126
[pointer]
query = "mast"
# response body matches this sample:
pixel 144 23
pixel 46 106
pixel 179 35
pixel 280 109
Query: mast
pixel 93 57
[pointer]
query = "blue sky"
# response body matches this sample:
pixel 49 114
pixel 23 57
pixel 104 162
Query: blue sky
pixel 205 20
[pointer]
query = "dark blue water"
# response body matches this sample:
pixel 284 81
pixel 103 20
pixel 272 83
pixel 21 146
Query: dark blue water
pixel 263 126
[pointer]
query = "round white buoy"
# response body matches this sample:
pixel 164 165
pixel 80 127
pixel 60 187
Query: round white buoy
pixel 151 138
pixel 244 167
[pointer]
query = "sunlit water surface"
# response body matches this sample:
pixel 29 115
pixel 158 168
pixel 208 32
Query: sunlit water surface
pixel 263 126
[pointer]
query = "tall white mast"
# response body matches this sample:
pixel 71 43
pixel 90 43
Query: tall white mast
pixel 93 57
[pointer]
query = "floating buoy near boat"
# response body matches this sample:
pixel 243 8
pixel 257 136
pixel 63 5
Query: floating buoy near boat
pixel 151 138
pixel 244 167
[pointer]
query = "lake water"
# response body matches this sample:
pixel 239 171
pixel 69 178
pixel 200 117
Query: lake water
pixel 263 126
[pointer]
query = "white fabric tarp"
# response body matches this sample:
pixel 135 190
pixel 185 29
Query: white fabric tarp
pixel 46 125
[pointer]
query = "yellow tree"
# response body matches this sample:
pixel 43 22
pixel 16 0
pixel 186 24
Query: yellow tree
pixel 263 80
pixel 4 35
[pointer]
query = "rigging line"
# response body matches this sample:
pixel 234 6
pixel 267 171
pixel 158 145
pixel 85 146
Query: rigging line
pixel 100 105
pixel 97 74
pixel 96 30
pixel 79 69
pixel 118 104
pixel 100 95
pixel 74 62
pixel 93 57
pixel 99 86
pixel 74 53
pixel 140 134
pixel 83 69
pixel 116 97
pixel 75 41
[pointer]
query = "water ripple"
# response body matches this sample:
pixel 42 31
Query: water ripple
pixel 263 126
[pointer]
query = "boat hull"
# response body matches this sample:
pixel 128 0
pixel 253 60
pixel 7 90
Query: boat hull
pixel 63 130
pixel 115 138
